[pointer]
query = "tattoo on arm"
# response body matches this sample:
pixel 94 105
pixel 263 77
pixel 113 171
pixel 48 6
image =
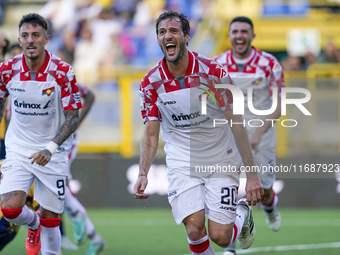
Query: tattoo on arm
pixel 68 127
pixel 7 196
pixel 151 146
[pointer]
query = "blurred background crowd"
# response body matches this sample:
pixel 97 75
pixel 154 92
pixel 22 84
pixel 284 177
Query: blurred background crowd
pixel 94 33
pixel 111 44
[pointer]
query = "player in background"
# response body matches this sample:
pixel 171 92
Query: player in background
pixel 170 97
pixel 9 230
pixel 82 225
pixel 261 71
pixel 45 113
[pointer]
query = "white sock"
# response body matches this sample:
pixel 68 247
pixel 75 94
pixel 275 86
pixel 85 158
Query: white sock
pixel 201 246
pixel 269 209
pixel 237 228
pixel 27 217
pixel 50 240
pixel 75 210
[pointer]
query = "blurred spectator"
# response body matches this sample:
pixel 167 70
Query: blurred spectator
pixel 291 63
pixel 61 13
pixel 115 54
pixel 309 59
pixel 125 8
pixel 331 54
pixel 68 47
pixel 4 44
pixel 87 56
pixel 14 50
pixel 104 26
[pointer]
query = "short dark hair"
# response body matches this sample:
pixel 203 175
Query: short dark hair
pixel 174 15
pixel 14 46
pixel 34 19
pixel 242 19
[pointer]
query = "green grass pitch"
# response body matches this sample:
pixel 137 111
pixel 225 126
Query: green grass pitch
pixel 154 232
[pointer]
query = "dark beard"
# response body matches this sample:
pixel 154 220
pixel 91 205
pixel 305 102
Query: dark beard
pixel 32 58
pixel 181 51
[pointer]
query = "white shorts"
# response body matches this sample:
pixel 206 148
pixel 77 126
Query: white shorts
pixel 49 189
pixel 266 157
pixel 217 196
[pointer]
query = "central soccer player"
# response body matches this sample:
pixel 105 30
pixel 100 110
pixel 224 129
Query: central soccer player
pixel 172 95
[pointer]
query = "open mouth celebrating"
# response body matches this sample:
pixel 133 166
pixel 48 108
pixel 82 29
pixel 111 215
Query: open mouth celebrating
pixel 170 49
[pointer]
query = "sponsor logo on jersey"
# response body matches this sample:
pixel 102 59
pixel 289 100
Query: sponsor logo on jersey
pixel 185 116
pixel 172 194
pixel 76 97
pixel 227 208
pixel 49 104
pixel 257 81
pixel 169 102
pixel 17 89
pixel 23 104
pixel 48 91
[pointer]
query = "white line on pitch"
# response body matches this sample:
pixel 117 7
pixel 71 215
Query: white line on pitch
pixel 171 222
pixel 296 247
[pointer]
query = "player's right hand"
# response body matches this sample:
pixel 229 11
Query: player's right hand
pixel 41 158
pixel 139 188
pixel 254 190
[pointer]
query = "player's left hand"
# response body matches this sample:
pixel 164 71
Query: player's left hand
pixel 41 157
pixel 139 188
pixel 254 190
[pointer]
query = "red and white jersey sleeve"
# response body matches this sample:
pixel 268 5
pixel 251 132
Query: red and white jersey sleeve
pixel 261 74
pixel 177 103
pixel 38 102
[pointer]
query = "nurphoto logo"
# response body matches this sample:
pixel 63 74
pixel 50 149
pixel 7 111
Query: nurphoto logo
pixel 238 105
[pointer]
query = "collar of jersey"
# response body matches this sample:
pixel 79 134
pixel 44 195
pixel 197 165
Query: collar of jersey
pixel 42 68
pixel 190 69
pixel 250 60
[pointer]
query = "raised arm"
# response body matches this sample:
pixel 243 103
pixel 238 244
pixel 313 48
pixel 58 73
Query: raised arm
pixel 67 128
pixel 254 188
pixel 148 149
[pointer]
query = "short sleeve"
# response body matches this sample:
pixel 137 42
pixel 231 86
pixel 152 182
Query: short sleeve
pixel 147 100
pixel 3 89
pixel 83 90
pixel 70 94
pixel 276 78
pixel 226 97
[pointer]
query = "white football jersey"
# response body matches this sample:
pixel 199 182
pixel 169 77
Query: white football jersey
pixel 261 73
pixel 38 101
pixel 191 137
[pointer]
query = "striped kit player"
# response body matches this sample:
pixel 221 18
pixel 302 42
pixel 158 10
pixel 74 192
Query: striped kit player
pixel 260 71
pixel 171 97
pixel 45 112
